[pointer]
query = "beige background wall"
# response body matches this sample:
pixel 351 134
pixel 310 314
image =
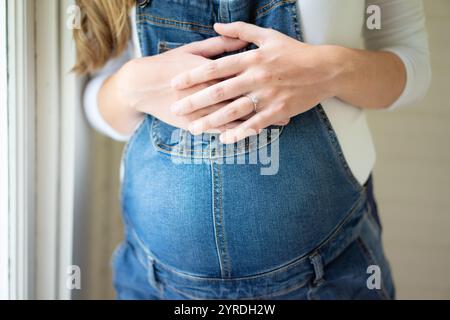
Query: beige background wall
pixel 413 175
pixel 412 181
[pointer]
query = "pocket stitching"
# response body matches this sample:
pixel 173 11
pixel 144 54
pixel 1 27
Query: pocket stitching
pixel 172 150
pixel 165 22
pixel 267 8
pixel 124 158
pixel 337 148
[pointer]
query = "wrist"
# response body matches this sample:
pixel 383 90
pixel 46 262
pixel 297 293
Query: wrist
pixel 123 98
pixel 115 109
pixel 341 66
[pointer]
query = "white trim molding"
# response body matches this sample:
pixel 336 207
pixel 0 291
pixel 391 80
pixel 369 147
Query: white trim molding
pixel 4 160
pixel 21 125
pixel 45 136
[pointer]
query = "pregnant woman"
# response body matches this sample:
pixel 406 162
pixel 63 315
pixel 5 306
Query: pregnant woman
pixel 247 169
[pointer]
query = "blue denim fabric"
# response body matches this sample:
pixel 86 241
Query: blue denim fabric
pixel 336 269
pixel 275 216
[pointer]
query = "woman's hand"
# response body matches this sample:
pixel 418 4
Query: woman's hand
pixel 142 86
pixel 286 76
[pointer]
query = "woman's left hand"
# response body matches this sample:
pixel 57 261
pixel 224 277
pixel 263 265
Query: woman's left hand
pixel 286 76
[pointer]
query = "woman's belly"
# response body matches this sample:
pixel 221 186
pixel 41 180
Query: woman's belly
pixel 215 218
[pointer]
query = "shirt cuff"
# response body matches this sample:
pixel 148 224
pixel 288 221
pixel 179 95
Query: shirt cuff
pixel 418 76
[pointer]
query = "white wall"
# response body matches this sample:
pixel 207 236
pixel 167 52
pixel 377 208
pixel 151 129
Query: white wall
pixel 412 181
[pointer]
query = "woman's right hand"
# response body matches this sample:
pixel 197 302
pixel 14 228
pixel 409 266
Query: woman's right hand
pixel 142 86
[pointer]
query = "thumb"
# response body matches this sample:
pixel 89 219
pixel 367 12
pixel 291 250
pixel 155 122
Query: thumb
pixel 214 46
pixel 243 31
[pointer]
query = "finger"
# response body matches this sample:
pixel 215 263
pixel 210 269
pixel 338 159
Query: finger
pixel 283 122
pixel 214 46
pixel 204 112
pixel 213 70
pixel 222 91
pixel 244 118
pixel 251 127
pixel 224 128
pixel 279 123
pixel 230 113
pixel 215 131
pixel 229 126
pixel 244 31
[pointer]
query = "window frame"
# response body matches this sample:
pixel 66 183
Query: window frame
pixel 43 129
pixel 4 161
pixel 21 147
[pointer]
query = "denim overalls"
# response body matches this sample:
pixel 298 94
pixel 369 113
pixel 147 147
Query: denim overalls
pixel 277 216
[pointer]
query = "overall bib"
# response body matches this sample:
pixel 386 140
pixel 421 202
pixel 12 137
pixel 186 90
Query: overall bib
pixel 279 215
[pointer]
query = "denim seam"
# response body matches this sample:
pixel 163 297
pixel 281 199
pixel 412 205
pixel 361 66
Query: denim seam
pixel 147 252
pixel 263 11
pixel 216 227
pixel 270 5
pixel 221 11
pixel 144 16
pixel 311 294
pixel 373 223
pixel 152 280
pixel 139 30
pixel 158 286
pixel 336 148
pixel 124 161
pixel 332 237
pixel 260 12
pixel 178 27
pixel 296 22
pixel 285 290
pixel 369 256
pixel 227 258
pixel 150 258
pixel 164 46
pixel 174 150
pixel 202 151
pixel 317 263
pixel 186 26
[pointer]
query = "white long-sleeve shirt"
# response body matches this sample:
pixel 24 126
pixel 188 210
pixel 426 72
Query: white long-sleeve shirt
pixel 337 22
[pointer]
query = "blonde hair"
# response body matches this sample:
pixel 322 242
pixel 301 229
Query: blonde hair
pixel 104 33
